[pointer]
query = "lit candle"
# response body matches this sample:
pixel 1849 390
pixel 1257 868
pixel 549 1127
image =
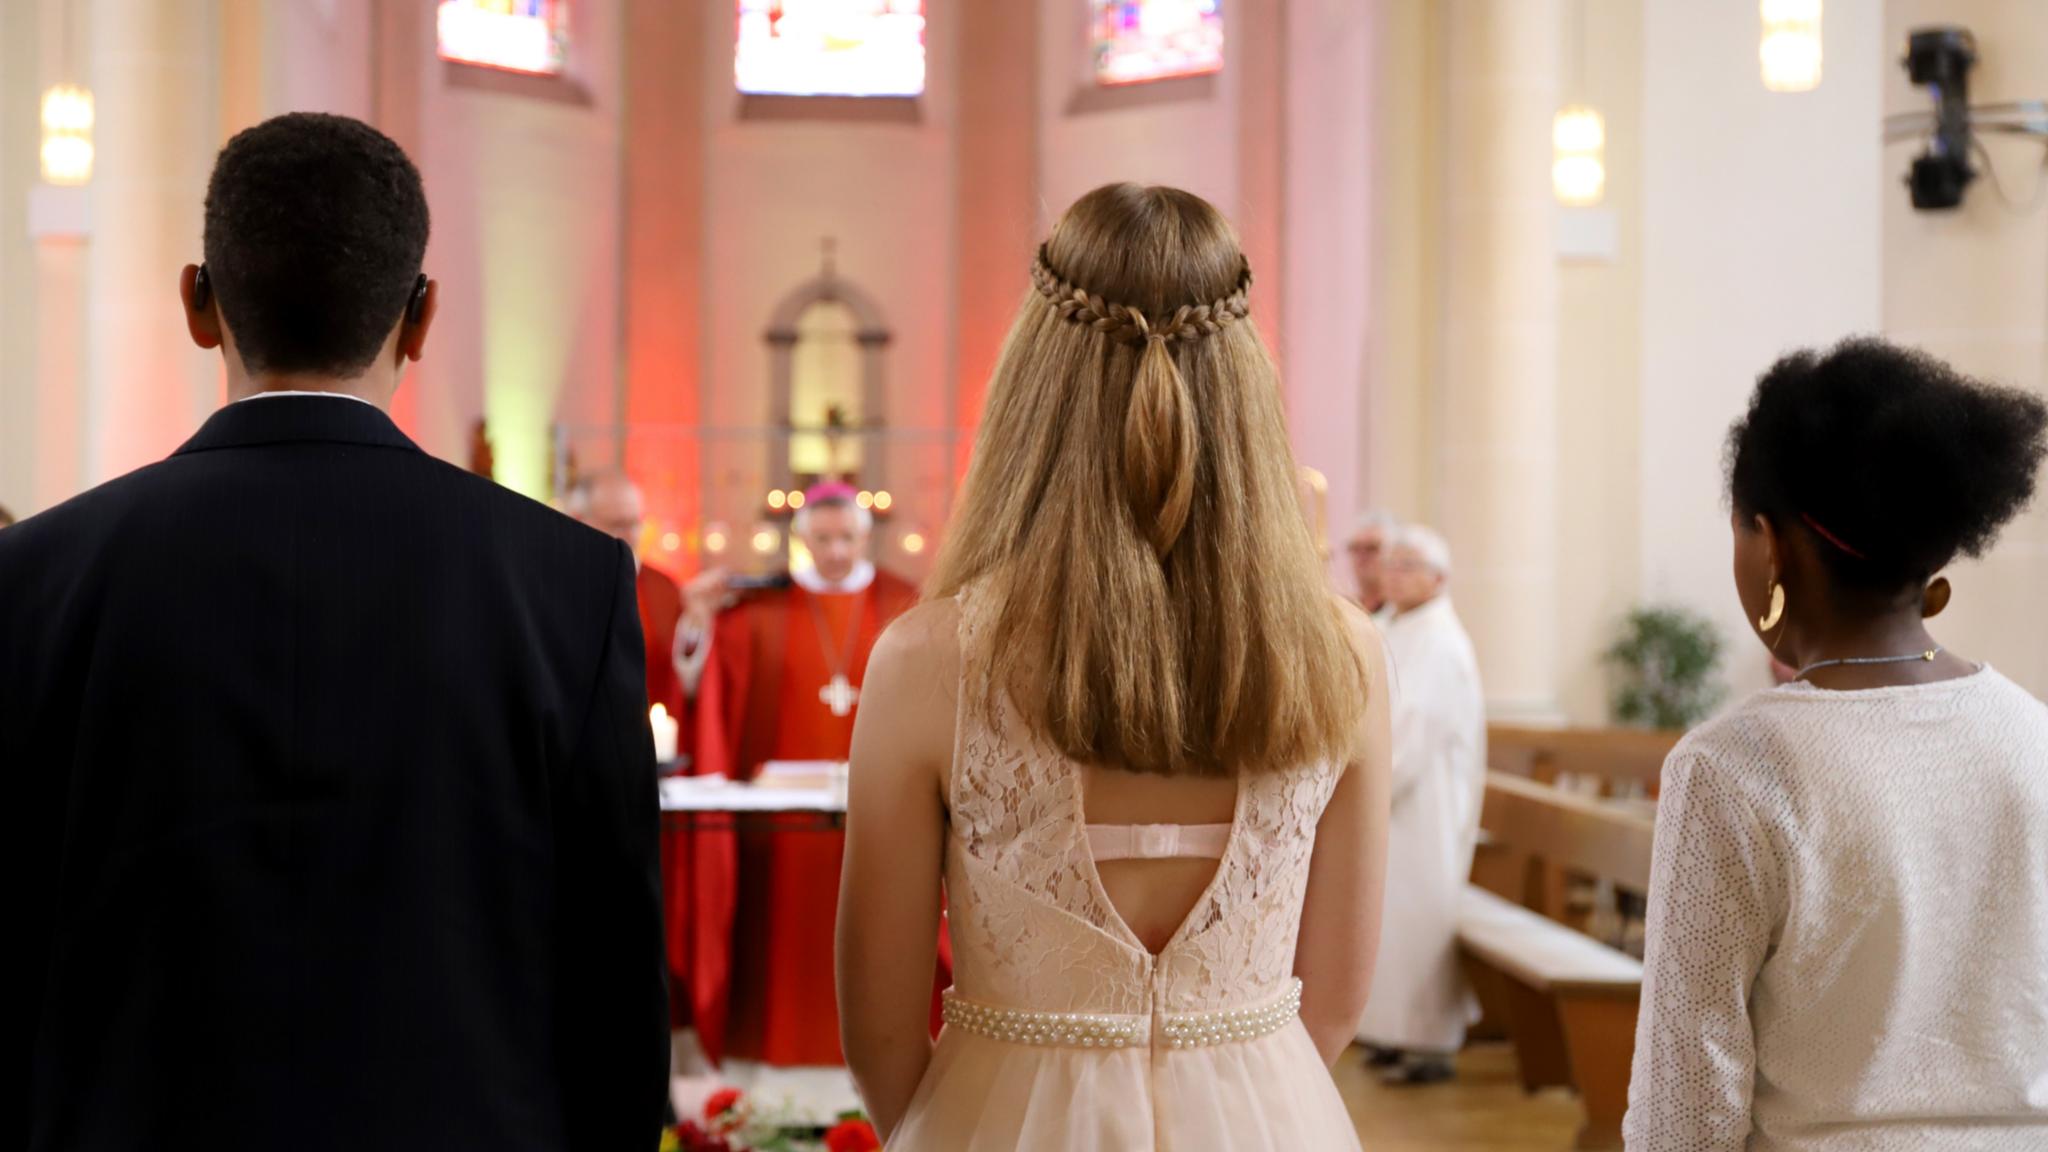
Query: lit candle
pixel 665 729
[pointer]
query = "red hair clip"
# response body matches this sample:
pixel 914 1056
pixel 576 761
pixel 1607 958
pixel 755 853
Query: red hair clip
pixel 1830 537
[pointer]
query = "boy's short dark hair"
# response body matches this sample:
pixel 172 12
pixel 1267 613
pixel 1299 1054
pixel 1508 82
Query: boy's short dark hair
pixel 316 226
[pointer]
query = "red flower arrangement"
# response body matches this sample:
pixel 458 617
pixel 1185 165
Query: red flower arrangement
pixel 731 1124
pixel 690 1138
pixel 854 1135
pixel 723 1109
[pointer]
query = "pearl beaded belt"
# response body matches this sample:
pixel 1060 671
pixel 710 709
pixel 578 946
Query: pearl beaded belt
pixel 1106 1030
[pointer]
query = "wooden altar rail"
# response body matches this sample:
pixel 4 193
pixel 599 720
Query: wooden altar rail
pixel 1615 756
pixel 1568 1001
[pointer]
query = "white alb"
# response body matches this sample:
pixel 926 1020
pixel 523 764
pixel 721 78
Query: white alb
pixel 1848 926
pixel 1419 1001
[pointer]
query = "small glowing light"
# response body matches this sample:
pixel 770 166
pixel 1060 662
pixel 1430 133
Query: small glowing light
pixel 665 729
pixel 670 541
pixel 777 498
pixel 1790 49
pixel 913 542
pixel 1579 173
pixel 865 499
pixel 67 135
pixel 765 540
pixel 715 538
pixel 796 500
pixel 882 501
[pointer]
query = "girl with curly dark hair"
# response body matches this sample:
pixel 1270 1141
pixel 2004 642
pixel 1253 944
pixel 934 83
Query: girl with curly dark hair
pixel 1848 928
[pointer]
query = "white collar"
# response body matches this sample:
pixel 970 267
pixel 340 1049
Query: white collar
pixel 856 581
pixel 333 395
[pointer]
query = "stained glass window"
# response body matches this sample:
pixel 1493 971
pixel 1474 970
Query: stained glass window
pixel 529 36
pixel 830 47
pixel 1140 40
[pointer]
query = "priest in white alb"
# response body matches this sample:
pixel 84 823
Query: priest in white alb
pixel 1415 1018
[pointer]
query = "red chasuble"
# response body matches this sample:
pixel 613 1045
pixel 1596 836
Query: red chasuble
pixel 768 694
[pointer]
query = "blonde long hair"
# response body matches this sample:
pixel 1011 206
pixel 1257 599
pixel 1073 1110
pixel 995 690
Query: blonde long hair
pixel 1130 522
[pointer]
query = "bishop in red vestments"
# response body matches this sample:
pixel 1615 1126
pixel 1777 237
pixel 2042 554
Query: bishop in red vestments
pixel 781 681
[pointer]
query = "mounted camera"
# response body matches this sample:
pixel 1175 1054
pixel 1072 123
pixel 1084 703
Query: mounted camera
pixel 1940 59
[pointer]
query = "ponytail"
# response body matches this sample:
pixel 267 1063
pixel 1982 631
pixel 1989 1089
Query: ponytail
pixel 1159 448
pixel 1160 437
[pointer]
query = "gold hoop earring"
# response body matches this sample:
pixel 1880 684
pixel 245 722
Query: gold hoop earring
pixel 1935 598
pixel 1777 612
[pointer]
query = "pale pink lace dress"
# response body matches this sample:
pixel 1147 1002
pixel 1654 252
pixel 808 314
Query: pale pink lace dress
pixel 1063 1031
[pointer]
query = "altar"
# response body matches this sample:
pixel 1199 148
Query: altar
pixel 813 788
pixel 745 974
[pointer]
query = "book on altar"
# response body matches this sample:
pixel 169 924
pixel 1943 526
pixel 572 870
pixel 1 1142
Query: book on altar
pixel 800 773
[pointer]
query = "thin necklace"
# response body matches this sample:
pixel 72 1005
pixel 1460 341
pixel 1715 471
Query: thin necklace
pixel 1928 656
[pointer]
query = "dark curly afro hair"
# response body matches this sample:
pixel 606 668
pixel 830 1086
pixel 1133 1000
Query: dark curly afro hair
pixel 1892 453
pixel 315 229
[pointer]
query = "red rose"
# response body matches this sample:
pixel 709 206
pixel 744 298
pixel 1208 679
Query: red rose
pixel 721 1110
pixel 853 1136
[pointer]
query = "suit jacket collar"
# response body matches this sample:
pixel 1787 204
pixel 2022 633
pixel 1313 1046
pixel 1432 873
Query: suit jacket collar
pixel 297 419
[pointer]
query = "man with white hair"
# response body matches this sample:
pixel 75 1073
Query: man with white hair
pixel 611 503
pixel 1416 1015
pixel 1367 549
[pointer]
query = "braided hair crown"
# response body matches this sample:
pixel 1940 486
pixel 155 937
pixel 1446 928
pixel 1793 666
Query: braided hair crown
pixel 1130 324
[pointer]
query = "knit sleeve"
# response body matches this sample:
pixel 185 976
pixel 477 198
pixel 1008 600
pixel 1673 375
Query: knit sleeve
pixel 1715 903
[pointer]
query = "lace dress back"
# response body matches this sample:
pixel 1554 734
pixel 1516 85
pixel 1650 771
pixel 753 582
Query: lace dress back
pixel 1063 1029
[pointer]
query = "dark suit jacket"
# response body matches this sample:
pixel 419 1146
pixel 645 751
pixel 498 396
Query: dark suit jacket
pixel 330 807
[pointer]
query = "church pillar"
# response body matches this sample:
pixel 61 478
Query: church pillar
pixel 1259 50
pixel 1312 261
pixel 996 197
pixel 662 261
pixel 1497 446
pixel 155 133
pixel 1968 286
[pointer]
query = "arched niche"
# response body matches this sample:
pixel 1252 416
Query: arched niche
pixel 800 314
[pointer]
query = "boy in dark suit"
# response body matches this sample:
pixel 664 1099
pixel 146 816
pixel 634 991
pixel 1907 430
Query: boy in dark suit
pixel 331 797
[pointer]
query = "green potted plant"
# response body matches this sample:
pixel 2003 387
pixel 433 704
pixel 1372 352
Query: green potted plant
pixel 1665 666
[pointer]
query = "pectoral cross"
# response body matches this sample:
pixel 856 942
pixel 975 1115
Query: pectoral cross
pixel 840 695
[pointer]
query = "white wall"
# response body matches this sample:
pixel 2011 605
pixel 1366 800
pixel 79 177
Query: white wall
pixel 1761 233
pixel 1330 323
pixel 1181 132
pixel 317 56
pixel 883 191
pixel 1969 286
pixel 523 182
pixel 19 140
pixel 1599 381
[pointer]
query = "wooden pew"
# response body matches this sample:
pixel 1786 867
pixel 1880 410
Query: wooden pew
pixel 1622 759
pixel 1548 836
pixel 1568 1001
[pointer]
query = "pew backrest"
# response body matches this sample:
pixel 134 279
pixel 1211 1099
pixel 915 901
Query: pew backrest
pixel 1622 759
